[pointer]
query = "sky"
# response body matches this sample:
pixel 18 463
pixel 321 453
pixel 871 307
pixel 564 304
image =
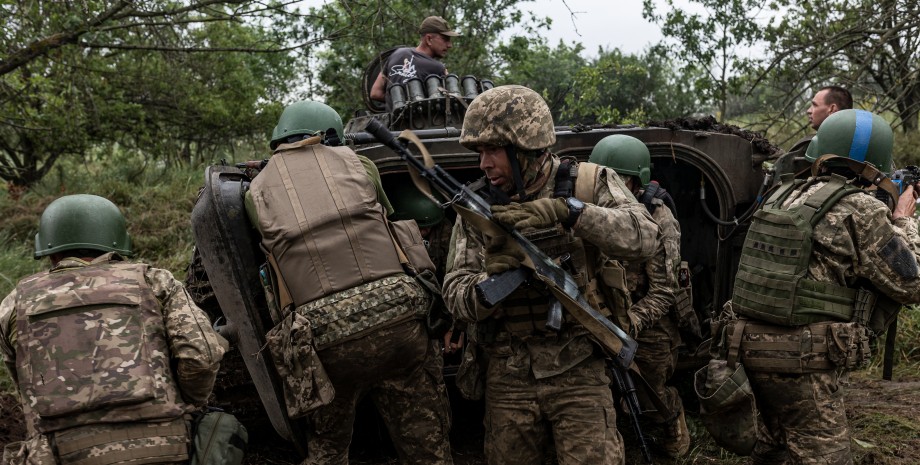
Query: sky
pixel 598 23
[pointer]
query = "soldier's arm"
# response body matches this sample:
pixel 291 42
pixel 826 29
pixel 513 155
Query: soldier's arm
pixel 193 344
pixel 465 269
pixel 616 223
pixel 661 272
pixel 8 334
pixel 887 252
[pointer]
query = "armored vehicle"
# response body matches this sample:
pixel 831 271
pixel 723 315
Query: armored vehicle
pixel 713 172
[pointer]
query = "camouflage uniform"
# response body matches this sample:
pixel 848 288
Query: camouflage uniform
pixel 141 389
pixel 386 355
pixel 549 380
pixel 803 414
pixel 653 284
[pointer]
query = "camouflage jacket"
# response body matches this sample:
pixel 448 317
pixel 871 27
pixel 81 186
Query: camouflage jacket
pixel 857 239
pixel 654 281
pixel 181 349
pixel 615 223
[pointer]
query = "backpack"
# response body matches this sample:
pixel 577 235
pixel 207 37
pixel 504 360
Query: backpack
pixel 218 438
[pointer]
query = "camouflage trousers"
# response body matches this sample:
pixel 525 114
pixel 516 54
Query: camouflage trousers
pixel 400 369
pixel 576 405
pixel 804 419
pixel 656 358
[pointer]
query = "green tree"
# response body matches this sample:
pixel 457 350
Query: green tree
pixel 364 28
pixel 619 88
pixel 549 71
pixel 871 47
pixel 709 44
pixel 162 77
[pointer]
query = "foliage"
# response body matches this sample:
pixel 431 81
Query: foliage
pixel 364 28
pixel 170 78
pixel 547 70
pixel 616 88
pixel 710 45
pixel 872 48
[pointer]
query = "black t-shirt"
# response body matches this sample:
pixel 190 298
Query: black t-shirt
pixel 406 63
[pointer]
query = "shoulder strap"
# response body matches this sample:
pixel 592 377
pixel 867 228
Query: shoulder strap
pixel 586 181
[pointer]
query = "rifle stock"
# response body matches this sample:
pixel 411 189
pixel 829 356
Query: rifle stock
pixel 476 210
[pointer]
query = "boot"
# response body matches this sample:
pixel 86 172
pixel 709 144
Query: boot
pixel 677 437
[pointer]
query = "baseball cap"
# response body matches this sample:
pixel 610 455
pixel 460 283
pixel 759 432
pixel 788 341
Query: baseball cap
pixel 436 25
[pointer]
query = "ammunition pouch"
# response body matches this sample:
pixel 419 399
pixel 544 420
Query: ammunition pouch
pixel 305 383
pixel 727 406
pixel 614 293
pixel 796 350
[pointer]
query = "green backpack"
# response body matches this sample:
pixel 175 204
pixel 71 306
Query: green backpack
pixel 218 439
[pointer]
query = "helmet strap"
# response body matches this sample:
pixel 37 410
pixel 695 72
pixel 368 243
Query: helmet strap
pixel 516 176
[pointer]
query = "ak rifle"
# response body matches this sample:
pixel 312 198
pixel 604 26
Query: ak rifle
pixel 475 209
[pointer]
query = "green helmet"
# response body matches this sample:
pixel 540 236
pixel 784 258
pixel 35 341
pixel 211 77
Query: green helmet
pixel 625 154
pixel 856 134
pixel 811 153
pixel 306 118
pixel 508 115
pixel 410 204
pixel 81 221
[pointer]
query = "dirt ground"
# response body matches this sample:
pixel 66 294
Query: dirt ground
pixel 884 416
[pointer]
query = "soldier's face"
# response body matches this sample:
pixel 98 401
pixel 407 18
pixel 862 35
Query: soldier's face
pixel 493 161
pixel 819 109
pixel 439 45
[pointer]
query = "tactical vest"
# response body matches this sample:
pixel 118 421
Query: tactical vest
pixel 771 283
pixel 92 350
pixel 525 310
pixel 321 222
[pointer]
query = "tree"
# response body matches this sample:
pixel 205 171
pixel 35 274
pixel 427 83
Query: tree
pixel 155 76
pixel 365 28
pixel 617 88
pixel 873 48
pixel 549 71
pixel 710 44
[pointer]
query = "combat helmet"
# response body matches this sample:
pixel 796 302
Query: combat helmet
pixel 856 134
pixel 308 118
pixel 626 155
pixel 410 204
pixel 81 221
pixel 508 115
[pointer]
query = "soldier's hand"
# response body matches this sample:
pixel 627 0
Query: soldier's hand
pixel 538 213
pixel 502 254
pixel 907 204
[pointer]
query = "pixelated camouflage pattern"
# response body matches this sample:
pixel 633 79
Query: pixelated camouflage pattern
pixel 804 419
pixel 620 228
pixel 349 313
pixel 156 442
pixel 577 404
pixel 653 283
pixel 182 338
pixel 400 369
pixel 304 380
pixel 852 237
pixel 508 115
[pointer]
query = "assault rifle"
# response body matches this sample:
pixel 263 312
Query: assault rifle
pixel 627 389
pixel 476 210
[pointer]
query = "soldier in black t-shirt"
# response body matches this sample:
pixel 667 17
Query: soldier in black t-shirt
pixel 420 62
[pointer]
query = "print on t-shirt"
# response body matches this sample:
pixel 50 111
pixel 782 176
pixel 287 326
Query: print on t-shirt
pixel 406 70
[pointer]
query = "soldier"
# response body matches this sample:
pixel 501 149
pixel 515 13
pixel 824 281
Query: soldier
pixel 538 380
pixel 419 62
pixel 110 357
pixel 825 266
pixel 653 287
pixel 320 210
pixel 827 101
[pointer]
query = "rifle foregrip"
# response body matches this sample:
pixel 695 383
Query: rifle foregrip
pixel 495 288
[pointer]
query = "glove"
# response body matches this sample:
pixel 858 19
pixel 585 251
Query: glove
pixel 502 254
pixel 540 213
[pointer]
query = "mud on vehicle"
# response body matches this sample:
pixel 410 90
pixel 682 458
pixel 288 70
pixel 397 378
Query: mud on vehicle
pixel 713 172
